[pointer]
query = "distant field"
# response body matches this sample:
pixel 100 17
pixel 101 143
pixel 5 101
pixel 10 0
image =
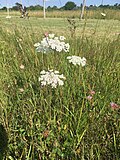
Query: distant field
pixel 92 14
pixel 108 28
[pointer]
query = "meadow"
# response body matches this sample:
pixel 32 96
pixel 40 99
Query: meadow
pixel 89 14
pixel 79 119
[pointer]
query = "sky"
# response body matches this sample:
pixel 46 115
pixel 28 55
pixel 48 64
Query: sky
pixel 58 3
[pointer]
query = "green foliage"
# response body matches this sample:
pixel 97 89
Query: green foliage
pixel 51 124
pixel 35 8
pixel 69 5
pixel 52 8
pixel 4 8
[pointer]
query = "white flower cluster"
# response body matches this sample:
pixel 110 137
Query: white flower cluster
pixel 51 42
pixel 76 60
pixel 51 78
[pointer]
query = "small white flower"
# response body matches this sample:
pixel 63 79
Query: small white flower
pixel 62 38
pixel 51 78
pixel 52 43
pixel 53 46
pixel 56 72
pixel 59 48
pixel 43 83
pixel 66 47
pixel 62 76
pixel 56 38
pixel 54 85
pixel 83 61
pixel 44 42
pixel 76 60
pixel 36 44
pixel 42 72
pixel 51 35
pixel 62 44
pixel 60 82
pixel 40 79
pixel 69 57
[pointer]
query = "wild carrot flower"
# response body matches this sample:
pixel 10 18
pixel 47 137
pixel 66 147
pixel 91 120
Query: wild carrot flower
pixel 51 42
pixel 66 47
pixel 76 60
pixel 51 78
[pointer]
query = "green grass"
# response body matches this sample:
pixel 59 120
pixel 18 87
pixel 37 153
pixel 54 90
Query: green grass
pixel 51 124
pixel 106 28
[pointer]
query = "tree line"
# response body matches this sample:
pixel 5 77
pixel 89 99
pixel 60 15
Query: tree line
pixel 68 6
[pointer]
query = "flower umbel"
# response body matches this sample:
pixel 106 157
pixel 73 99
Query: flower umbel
pixel 76 60
pixel 50 42
pixel 52 78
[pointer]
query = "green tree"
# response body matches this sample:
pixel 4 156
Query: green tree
pixel 54 8
pixel 36 7
pixel 4 8
pixel 69 5
pixel 15 8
